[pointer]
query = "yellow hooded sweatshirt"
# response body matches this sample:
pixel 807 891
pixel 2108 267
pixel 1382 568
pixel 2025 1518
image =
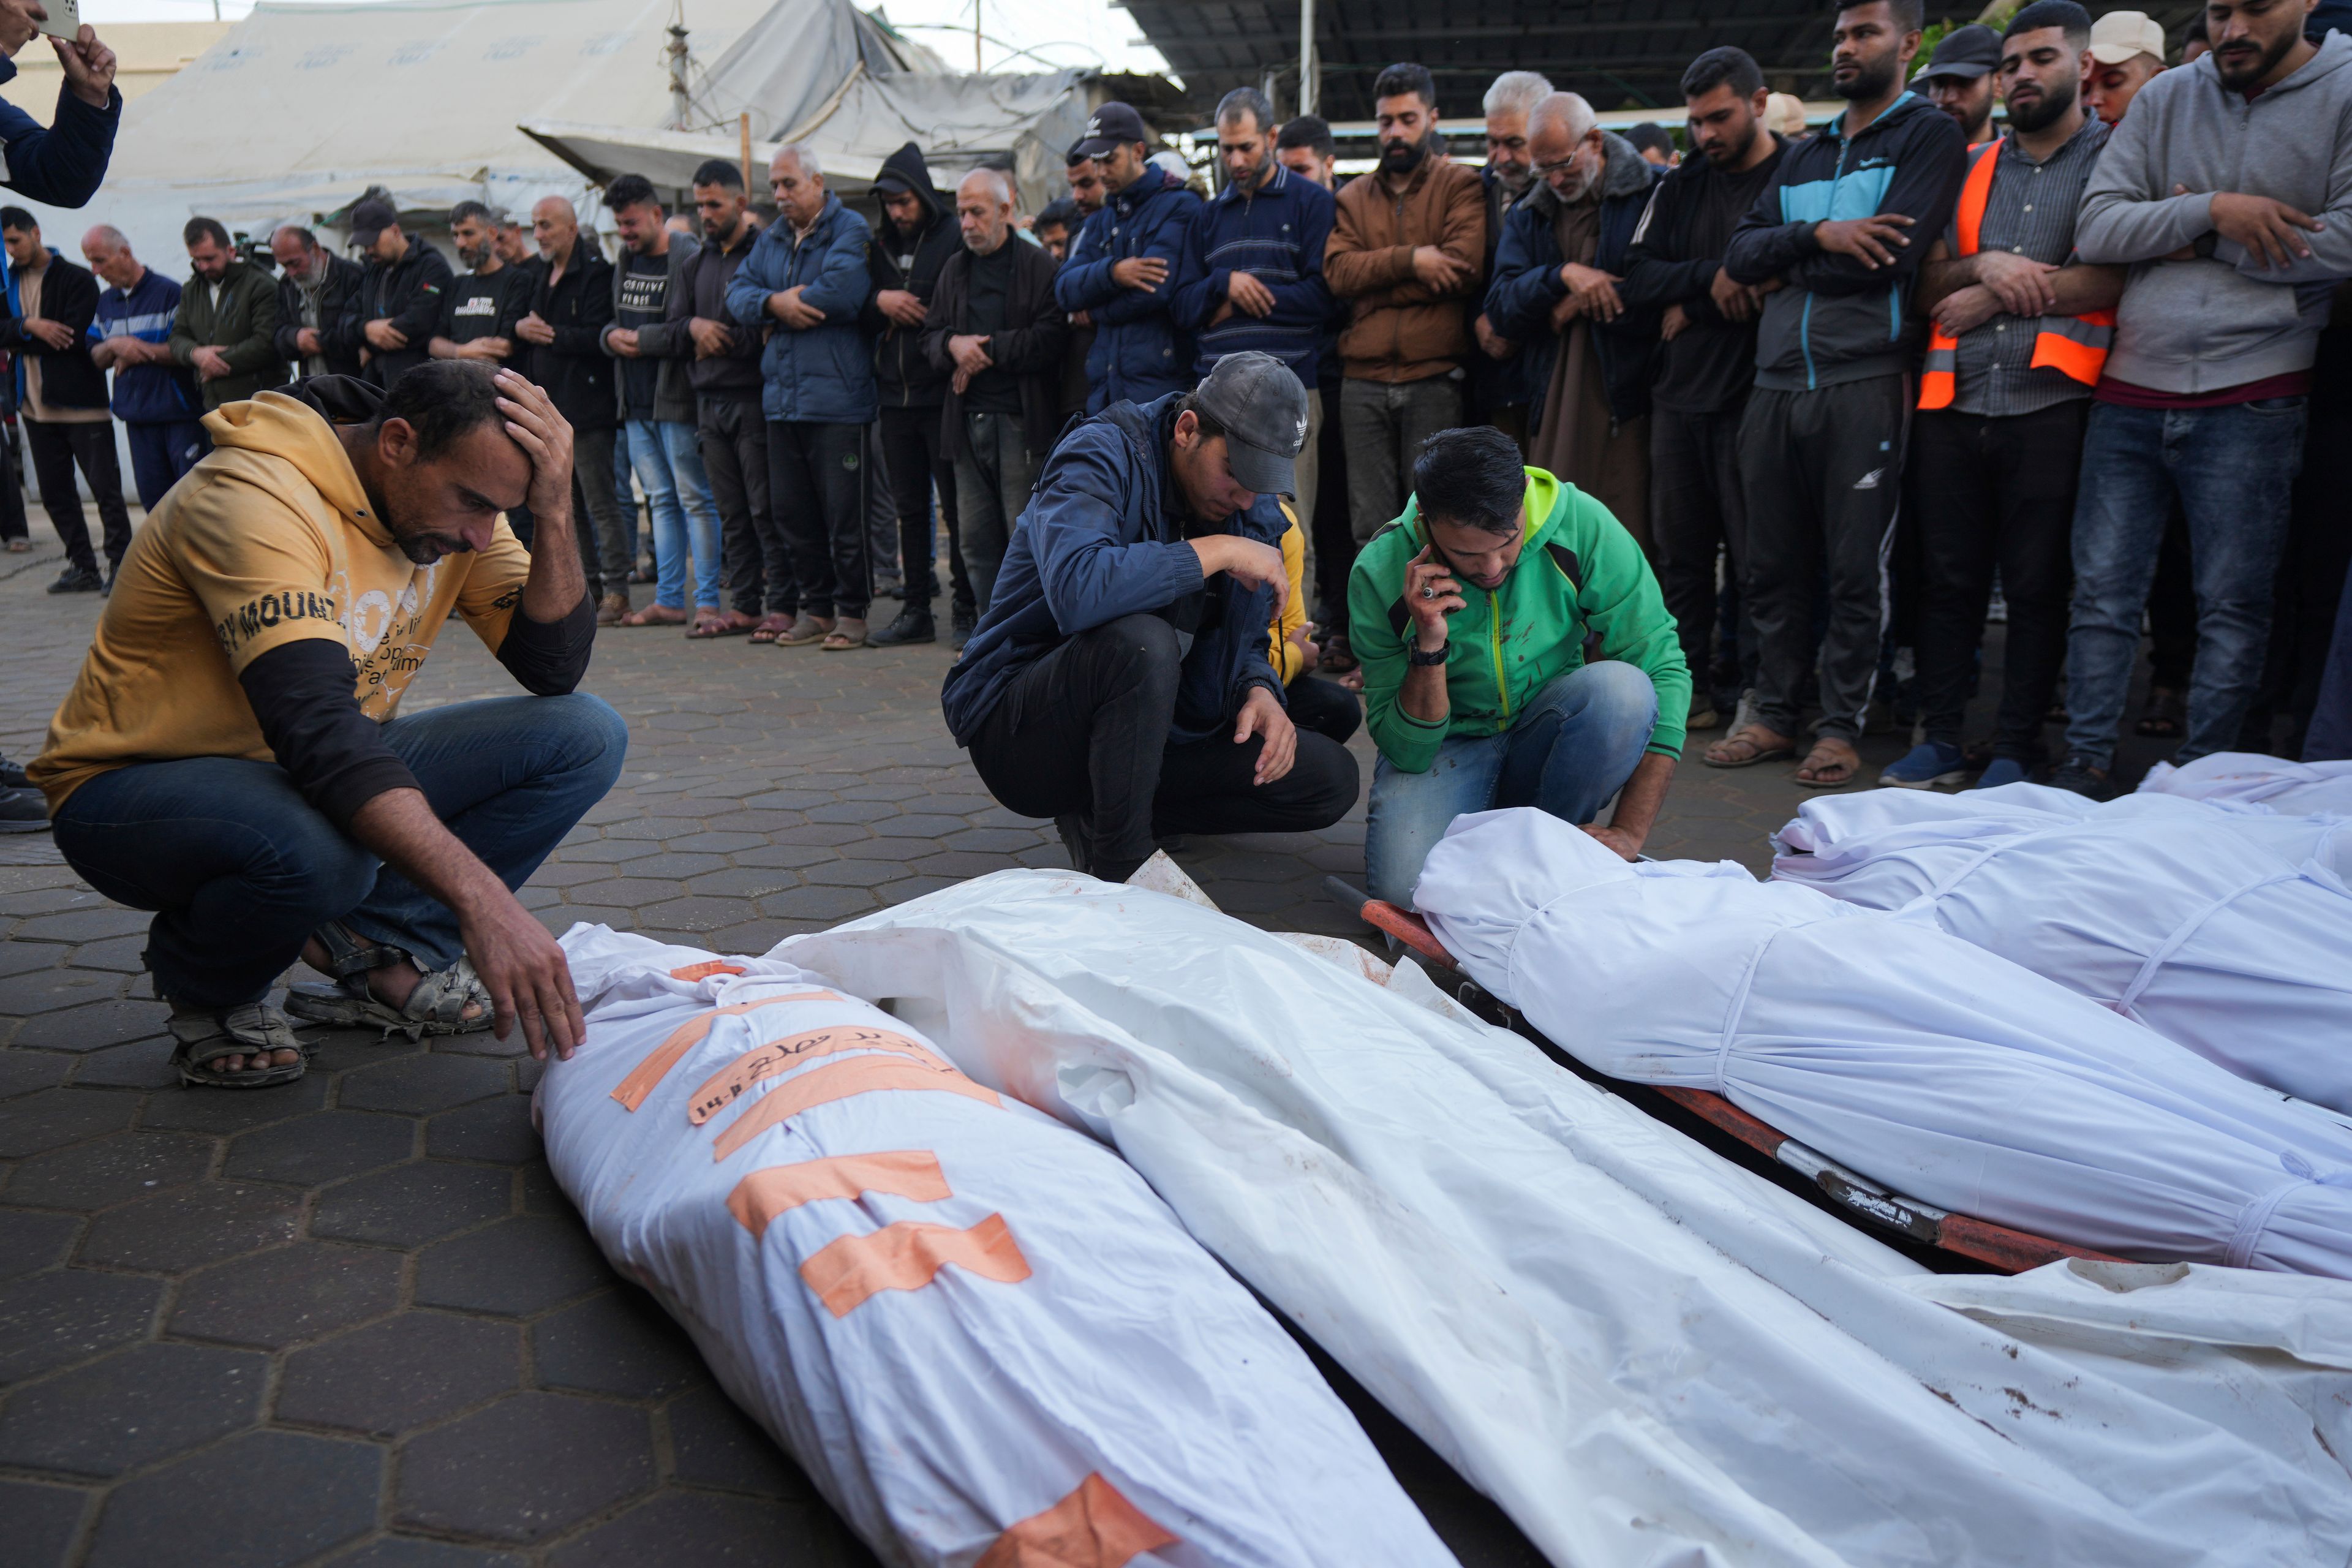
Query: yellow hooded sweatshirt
pixel 268 539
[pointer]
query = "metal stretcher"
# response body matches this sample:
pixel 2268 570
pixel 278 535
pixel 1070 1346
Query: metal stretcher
pixel 1913 1226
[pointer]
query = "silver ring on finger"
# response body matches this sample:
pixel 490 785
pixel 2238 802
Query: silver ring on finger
pixel 1427 592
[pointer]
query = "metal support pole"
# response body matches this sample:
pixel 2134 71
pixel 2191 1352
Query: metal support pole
pixel 743 125
pixel 1307 56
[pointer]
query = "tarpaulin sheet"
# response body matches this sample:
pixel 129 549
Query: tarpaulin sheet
pixel 979 1332
pixel 1647 1355
pixel 2225 928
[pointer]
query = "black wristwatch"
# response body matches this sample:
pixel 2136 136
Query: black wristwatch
pixel 1419 660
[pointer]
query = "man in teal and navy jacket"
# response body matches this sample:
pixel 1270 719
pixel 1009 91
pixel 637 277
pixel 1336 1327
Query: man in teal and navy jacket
pixel 1516 651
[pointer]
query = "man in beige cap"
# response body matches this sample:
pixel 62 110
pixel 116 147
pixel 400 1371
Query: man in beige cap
pixel 2126 51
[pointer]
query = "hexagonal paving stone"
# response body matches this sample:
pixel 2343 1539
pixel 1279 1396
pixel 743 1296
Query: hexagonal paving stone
pixel 91 924
pixel 211 1110
pixel 528 1466
pixel 173 1232
pixel 322 1146
pixel 408 1552
pixel 498 1128
pixel 46 990
pixel 420 1085
pixel 854 873
pixel 93 1026
pixel 680 1527
pixel 816 903
pixel 514 1268
pixel 694 915
pixel 42 1521
pixel 54 1118
pixel 263 1497
pixel 744 882
pixel 51 1320
pixel 122 954
pixel 31 1242
pixel 407 1372
pixel 716 1445
pixel 851 811
pixel 609 851
pixel 673 866
pixel 131 1409
pixel 620 1342
pixel 22 1072
pixel 142 1063
pixel 409 1205
pixel 299 1292
pixel 110 1170
pixel 920 825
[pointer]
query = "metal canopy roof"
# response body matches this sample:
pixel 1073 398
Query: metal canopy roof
pixel 1617 52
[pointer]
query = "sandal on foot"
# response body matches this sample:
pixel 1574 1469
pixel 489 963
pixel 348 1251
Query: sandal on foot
pixel 2166 717
pixel 437 1006
pixel 1717 756
pixel 709 623
pixel 1847 767
pixel 653 615
pixel 847 633
pixel 771 627
pixel 806 629
pixel 206 1038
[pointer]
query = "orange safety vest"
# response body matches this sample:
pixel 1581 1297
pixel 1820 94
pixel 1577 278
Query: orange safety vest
pixel 2076 346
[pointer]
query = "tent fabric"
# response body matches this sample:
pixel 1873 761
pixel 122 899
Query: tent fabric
pixel 1925 1063
pixel 1643 1353
pixel 2223 927
pixel 2252 778
pixel 977 1331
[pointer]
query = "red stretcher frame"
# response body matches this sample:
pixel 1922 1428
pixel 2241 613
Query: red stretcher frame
pixel 1849 1194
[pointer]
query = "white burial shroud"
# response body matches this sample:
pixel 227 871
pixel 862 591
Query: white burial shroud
pixel 979 1332
pixel 2253 779
pixel 2225 928
pixel 1921 1061
pixel 1647 1355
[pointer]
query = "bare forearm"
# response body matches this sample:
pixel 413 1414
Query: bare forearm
pixel 556 582
pixel 2084 288
pixel 1645 793
pixel 398 826
pixel 1424 695
pixel 1941 276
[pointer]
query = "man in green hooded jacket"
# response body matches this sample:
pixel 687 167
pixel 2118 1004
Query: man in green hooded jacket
pixel 1516 651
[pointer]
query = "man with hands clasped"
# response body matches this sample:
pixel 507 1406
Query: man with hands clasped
pixel 1517 652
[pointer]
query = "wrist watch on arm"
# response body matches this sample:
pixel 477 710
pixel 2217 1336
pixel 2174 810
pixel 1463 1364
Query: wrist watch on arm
pixel 1416 660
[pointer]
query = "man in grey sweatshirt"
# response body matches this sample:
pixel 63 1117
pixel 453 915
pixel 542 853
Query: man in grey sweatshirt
pixel 2227 191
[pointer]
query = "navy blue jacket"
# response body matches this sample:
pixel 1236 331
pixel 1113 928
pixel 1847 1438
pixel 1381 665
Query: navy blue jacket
pixel 823 375
pixel 1838 321
pixel 63 164
pixel 1141 353
pixel 1527 284
pixel 1277 232
pixel 148 393
pixel 1518 381
pixel 1104 537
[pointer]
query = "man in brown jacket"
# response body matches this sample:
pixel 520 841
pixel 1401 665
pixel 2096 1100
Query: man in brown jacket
pixel 1408 247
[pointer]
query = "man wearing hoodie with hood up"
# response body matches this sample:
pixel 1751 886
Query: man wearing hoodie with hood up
pixel 1844 224
pixel 232 755
pixel 2227 191
pixel 1126 269
pixel 917 236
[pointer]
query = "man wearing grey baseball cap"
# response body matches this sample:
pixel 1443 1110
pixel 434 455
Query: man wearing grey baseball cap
pixel 1120 683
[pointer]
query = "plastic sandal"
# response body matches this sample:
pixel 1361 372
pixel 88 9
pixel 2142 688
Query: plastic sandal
pixel 206 1037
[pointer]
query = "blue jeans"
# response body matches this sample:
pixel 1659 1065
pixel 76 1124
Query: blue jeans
pixel 239 869
pixel 1567 752
pixel 667 457
pixel 2233 470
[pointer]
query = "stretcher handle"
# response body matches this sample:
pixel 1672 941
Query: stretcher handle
pixel 1402 924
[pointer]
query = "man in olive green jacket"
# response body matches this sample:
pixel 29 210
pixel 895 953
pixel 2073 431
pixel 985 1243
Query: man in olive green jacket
pixel 228 323
pixel 1516 651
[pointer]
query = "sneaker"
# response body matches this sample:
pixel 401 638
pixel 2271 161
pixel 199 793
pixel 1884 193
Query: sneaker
pixel 2078 775
pixel 78 580
pixel 612 607
pixel 13 776
pixel 24 811
pixel 1930 764
pixel 2002 771
pixel 911 625
pixel 962 621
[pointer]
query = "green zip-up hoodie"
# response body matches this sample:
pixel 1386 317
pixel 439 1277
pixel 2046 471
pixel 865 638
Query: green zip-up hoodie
pixel 1580 592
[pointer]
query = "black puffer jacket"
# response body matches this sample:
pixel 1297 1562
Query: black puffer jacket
pixel 575 369
pixel 903 375
pixel 407 293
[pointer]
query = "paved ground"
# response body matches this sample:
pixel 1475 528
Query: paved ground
pixel 353 1321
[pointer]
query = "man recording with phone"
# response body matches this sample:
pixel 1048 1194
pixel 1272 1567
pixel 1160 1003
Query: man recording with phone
pixel 1516 651
pixel 62 164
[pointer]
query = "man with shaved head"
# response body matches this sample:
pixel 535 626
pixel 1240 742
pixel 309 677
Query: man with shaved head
pixel 157 400
pixel 1555 274
pixel 571 305
pixel 996 333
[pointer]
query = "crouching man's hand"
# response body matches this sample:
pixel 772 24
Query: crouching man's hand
pixel 525 971
pixel 1262 715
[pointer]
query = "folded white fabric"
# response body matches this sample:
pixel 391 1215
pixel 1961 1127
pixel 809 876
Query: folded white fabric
pixel 2223 927
pixel 984 1337
pixel 2253 778
pixel 1923 1062
pixel 1646 1354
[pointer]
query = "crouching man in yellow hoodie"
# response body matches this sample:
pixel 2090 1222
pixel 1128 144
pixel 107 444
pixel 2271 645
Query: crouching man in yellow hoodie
pixel 231 758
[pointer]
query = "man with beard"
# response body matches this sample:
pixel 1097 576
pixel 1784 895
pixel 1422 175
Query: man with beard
pixel 227 327
pixel 1129 268
pixel 1848 217
pixel 1960 79
pixel 1707 363
pixel 569 305
pixel 917 236
pixel 318 301
pixel 479 312
pixel 400 293
pixel 1087 196
pixel 231 758
pixel 2019 336
pixel 1563 254
pixel 1056 226
pixel 1305 147
pixel 1500 382
pixel 1409 249
pixel 2126 53
pixel 2224 191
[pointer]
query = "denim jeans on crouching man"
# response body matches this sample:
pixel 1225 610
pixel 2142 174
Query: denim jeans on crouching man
pixel 1567 752
pixel 2233 469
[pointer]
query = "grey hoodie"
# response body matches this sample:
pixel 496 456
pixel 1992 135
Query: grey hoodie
pixel 2221 319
